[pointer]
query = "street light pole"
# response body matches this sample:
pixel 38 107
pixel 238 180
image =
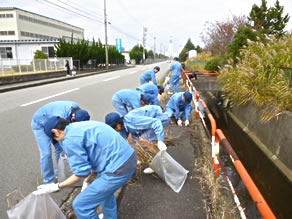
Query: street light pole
pixel 144 42
pixel 105 31
pixel 154 48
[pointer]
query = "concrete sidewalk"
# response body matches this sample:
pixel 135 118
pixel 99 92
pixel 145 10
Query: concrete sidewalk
pixel 21 85
pixel 150 197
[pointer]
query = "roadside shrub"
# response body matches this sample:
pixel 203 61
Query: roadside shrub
pixel 261 76
pixel 216 63
pixel 23 68
pixel 38 54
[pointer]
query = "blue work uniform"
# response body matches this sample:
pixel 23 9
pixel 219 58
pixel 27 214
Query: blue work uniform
pixel 148 76
pixel 95 146
pixel 146 122
pixel 126 100
pixel 56 108
pixel 177 106
pixel 152 91
pixel 175 77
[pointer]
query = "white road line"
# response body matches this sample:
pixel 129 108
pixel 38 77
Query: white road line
pixel 112 78
pixel 49 97
pixel 132 72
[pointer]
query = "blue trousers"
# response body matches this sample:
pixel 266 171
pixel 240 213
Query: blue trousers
pixel 120 107
pixel 171 112
pixel 44 144
pixel 174 82
pixel 100 192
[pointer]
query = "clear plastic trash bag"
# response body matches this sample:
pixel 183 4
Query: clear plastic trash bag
pixel 64 170
pixel 169 170
pixel 36 207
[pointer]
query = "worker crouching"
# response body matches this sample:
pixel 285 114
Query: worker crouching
pixel 95 146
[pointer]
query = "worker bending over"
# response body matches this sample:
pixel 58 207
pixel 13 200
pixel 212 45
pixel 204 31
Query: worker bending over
pixel 127 99
pixel 180 106
pixel 65 109
pixel 150 75
pixel 153 91
pixel 93 145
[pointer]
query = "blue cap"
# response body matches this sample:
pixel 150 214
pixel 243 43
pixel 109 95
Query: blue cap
pixel 81 115
pixel 188 97
pixel 157 67
pixel 175 58
pixel 51 124
pixel 161 89
pixel 112 119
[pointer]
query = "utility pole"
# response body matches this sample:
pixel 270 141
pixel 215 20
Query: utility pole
pixel 105 31
pixel 144 42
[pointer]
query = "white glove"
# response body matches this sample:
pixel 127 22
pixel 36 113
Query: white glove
pixel 47 188
pixel 84 185
pixel 161 146
pixel 187 122
pixel 179 122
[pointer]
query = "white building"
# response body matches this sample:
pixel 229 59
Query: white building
pixel 18 24
pixel 23 32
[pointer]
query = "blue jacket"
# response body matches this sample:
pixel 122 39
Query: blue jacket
pixel 144 118
pixel 148 76
pixel 56 108
pixel 176 69
pixel 93 145
pixel 178 105
pixel 131 98
pixel 152 91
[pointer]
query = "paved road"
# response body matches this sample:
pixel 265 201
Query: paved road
pixel 19 157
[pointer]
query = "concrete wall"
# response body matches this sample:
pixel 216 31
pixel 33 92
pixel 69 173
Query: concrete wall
pixel 273 137
pixel 8 24
pixel 31 77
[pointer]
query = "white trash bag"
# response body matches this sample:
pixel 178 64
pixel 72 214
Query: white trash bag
pixel 36 207
pixel 169 170
pixel 64 170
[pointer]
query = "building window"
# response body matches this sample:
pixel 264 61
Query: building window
pixel 41 22
pixel 38 36
pixel 49 51
pixel 3 33
pixel 6 52
pixel 6 15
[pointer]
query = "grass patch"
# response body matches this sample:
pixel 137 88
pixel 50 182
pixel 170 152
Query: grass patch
pixel 262 76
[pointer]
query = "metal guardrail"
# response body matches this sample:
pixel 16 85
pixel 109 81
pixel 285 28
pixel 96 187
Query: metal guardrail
pixel 216 136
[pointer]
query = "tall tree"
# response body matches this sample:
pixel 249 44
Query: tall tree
pixel 270 20
pixel 184 53
pixel 219 35
pixel 189 45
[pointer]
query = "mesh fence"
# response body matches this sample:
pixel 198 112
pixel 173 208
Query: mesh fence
pixel 21 66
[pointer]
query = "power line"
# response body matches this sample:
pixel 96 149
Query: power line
pixel 137 21
pixel 73 11
pixel 79 9
pixel 92 18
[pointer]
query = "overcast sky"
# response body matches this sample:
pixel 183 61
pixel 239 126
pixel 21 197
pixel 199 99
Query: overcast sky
pixel 164 18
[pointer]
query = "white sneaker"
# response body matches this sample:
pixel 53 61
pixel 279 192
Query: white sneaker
pixel 148 170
